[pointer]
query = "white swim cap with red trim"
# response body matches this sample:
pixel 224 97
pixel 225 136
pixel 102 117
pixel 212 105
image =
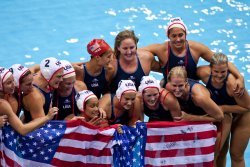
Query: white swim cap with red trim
pixel 148 82
pixel 125 86
pixel 4 75
pixel 176 22
pixel 68 69
pixel 82 97
pixel 18 71
pixel 49 66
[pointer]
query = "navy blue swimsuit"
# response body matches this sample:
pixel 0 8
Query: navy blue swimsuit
pixel 123 119
pixel 189 106
pixel 121 74
pixel 220 96
pixel 187 61
pixel 67 105
pixel 46 106
pixel 160 114
pixel 96 84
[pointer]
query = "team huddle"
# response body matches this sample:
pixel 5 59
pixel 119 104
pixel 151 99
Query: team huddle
pixel 114 87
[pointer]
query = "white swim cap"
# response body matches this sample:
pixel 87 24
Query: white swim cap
pixel 82 97
pixel 4 75
pixel 49 67
pixel 176 22
pixel 68 69
pixel 148 82
pixel 18 71
pixel 124 86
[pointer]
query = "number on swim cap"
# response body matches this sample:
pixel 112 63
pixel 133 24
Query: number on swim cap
pixel 47 63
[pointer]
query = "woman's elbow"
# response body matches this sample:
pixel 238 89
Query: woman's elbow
pixel 219 117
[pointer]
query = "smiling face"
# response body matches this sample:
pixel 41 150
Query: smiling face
pixel 91 108
pixel 151 96
pixel 56 79
pixel 177 37
pixel 128 99
pixel 219 72
pixel 178 85
pixel 26 84
pixel 9 85
pixel 127 49
pixel 67 84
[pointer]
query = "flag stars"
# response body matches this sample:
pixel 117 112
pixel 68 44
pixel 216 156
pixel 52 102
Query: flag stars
pixel 31 137
pixel 46 158
pixel 38 134
pixel 51 137
pixel 50 150
pixel 23 152
pixel 34 155
pixel 58 133
pixel 10 143
pixel 7 135
pixel 31 150
pixel 48 125
pixel 61 126
pixel 46 131
pixel 42 152
pixel 134 160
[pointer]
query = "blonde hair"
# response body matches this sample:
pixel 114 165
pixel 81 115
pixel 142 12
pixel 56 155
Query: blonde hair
pixel 178 71
pixel 122 36
pixel 218 58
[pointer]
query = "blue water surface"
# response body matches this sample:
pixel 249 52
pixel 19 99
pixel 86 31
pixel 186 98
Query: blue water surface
pixel 35 29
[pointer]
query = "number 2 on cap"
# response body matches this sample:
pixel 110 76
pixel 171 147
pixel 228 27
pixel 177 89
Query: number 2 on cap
pixel 47 63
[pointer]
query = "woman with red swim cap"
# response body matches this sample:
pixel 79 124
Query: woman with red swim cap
pixel 97 72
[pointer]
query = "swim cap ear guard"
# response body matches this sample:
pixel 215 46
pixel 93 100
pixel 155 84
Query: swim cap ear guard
pixel 148 82
pixel 82 97
pixel 4 75
pixel 124 86
pixel 49 67
pixel 18 71
pixel 176 22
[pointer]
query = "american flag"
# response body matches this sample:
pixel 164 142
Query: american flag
pixel 76 143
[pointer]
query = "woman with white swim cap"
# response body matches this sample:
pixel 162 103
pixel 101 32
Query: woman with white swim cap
pixel 46 80
pixel 26 93
pixel 122 108
pixel 158 103
pixel 7 114
pixel 178 51
pixel 7 88
pixel 64 95
pixel 88 104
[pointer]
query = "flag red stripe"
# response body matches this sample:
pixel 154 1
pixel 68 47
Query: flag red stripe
pixel 178 137
pixel 58 162
pixel 84 152
pixel 10 162
pixel 88 137
pixel 179 152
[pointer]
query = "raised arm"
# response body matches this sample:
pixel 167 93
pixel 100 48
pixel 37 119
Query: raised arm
pixel 16 123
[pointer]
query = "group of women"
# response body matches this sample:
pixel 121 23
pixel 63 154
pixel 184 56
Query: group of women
pixel 114 87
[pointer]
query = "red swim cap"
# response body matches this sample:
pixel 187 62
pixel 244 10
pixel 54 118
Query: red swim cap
pixel 97 47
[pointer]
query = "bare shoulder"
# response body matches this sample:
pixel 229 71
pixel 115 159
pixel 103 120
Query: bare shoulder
pixel 80 85
pixel 5 107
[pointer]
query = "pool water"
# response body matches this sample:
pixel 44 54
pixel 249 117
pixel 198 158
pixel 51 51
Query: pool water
pixel 35 29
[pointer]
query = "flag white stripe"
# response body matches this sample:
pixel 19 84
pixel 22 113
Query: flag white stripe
pixel 180 129
pixel 86 130
pixel 84 144
pixel 180 144
pixel 181 160
pixel 84 159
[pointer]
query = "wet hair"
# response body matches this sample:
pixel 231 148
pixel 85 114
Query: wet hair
pixel 177 71
pixel 122 36
pixel 218 58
